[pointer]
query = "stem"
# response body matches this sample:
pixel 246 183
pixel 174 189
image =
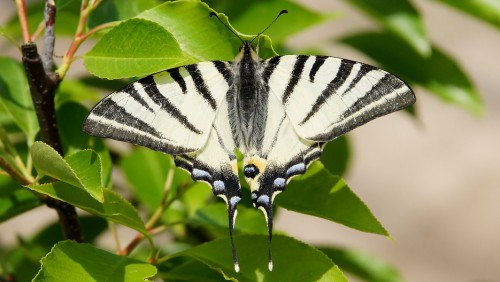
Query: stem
pixel 138 238
pixel 164 204
pixel 38 30
pixel 23 20
pixel 14 174
pixel 10 151
pixel 79 37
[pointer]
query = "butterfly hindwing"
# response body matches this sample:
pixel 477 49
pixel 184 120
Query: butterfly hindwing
pixel 171 111
pixel 325 97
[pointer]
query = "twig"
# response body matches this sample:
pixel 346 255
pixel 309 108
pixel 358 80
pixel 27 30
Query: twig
pixel 79 37
pixel 138 238
pixel 49 39
pixel 38 30
pixel 23 20
pixel 16 175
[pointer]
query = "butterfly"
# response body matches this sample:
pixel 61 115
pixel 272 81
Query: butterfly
pixel 278 112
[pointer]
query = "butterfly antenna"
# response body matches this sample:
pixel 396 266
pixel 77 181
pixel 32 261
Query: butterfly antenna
pixel 214 14
pixel 281 13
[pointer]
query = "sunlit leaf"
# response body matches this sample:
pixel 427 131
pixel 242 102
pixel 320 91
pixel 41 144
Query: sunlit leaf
pixel 322 194
pixel 70 261
pixel 293 260
pixel 363 265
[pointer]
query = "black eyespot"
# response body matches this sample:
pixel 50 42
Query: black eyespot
pixel 250 171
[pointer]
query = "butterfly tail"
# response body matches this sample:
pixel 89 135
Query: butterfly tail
pixel 265 204
pixel 232 213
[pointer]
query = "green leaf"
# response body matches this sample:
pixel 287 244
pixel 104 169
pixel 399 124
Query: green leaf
pixel 193 270
pixel 113 207
pixel 439 73
pixel 363 265
pixel 401 18
pixel 336 155
pixel 322 194
pixel 249 220
pixel 87 166
pixel 293 260
pixel 118 10
pixel 14 199
pixel 16 97
pixel 254 16
pixel 485 10
pixel 74 139
pixel 48 162
pixel 169 35
pixel 201 37
pixel 146 170
pixel 135 47
pixel 81 169
pixel 70 261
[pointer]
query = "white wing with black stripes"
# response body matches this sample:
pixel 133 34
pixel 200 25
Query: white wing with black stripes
pixel 171 111
pixel 326 97
pixel 278 112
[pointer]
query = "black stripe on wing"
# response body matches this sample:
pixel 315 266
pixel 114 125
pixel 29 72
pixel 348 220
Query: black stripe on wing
pixel 149 86
pixel 201 86
pixel 294 79
pixel 97 124
pixel 177 77
pixel 340 77
pixel 319 61
pixel 224 69
pixel 386 85
pixel 130 89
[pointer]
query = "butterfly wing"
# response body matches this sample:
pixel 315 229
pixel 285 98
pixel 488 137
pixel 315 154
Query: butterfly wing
pixel 284 155
pixel 312 100
pixel 171 111
pixel 325 97
pixel 183 112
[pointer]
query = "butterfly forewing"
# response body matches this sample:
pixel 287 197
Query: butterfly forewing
pixel 171 111
pixel 324 97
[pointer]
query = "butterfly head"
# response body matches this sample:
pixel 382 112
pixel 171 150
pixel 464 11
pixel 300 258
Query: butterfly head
pixel 246 52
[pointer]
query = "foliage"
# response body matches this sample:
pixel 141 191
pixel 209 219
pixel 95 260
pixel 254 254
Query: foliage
pixel 136 38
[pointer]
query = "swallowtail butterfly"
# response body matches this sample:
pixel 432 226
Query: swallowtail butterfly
pixel 278 113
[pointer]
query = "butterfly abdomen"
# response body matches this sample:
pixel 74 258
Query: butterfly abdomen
pixel 248 104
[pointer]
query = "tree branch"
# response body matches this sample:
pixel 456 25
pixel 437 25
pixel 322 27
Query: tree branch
pixel 49 39
pixel 42 88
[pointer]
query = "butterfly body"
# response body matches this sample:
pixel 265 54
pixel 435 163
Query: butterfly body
pixel 277 112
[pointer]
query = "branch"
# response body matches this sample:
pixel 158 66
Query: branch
pixel 79 37
pixel 42 88
pixel 50 39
